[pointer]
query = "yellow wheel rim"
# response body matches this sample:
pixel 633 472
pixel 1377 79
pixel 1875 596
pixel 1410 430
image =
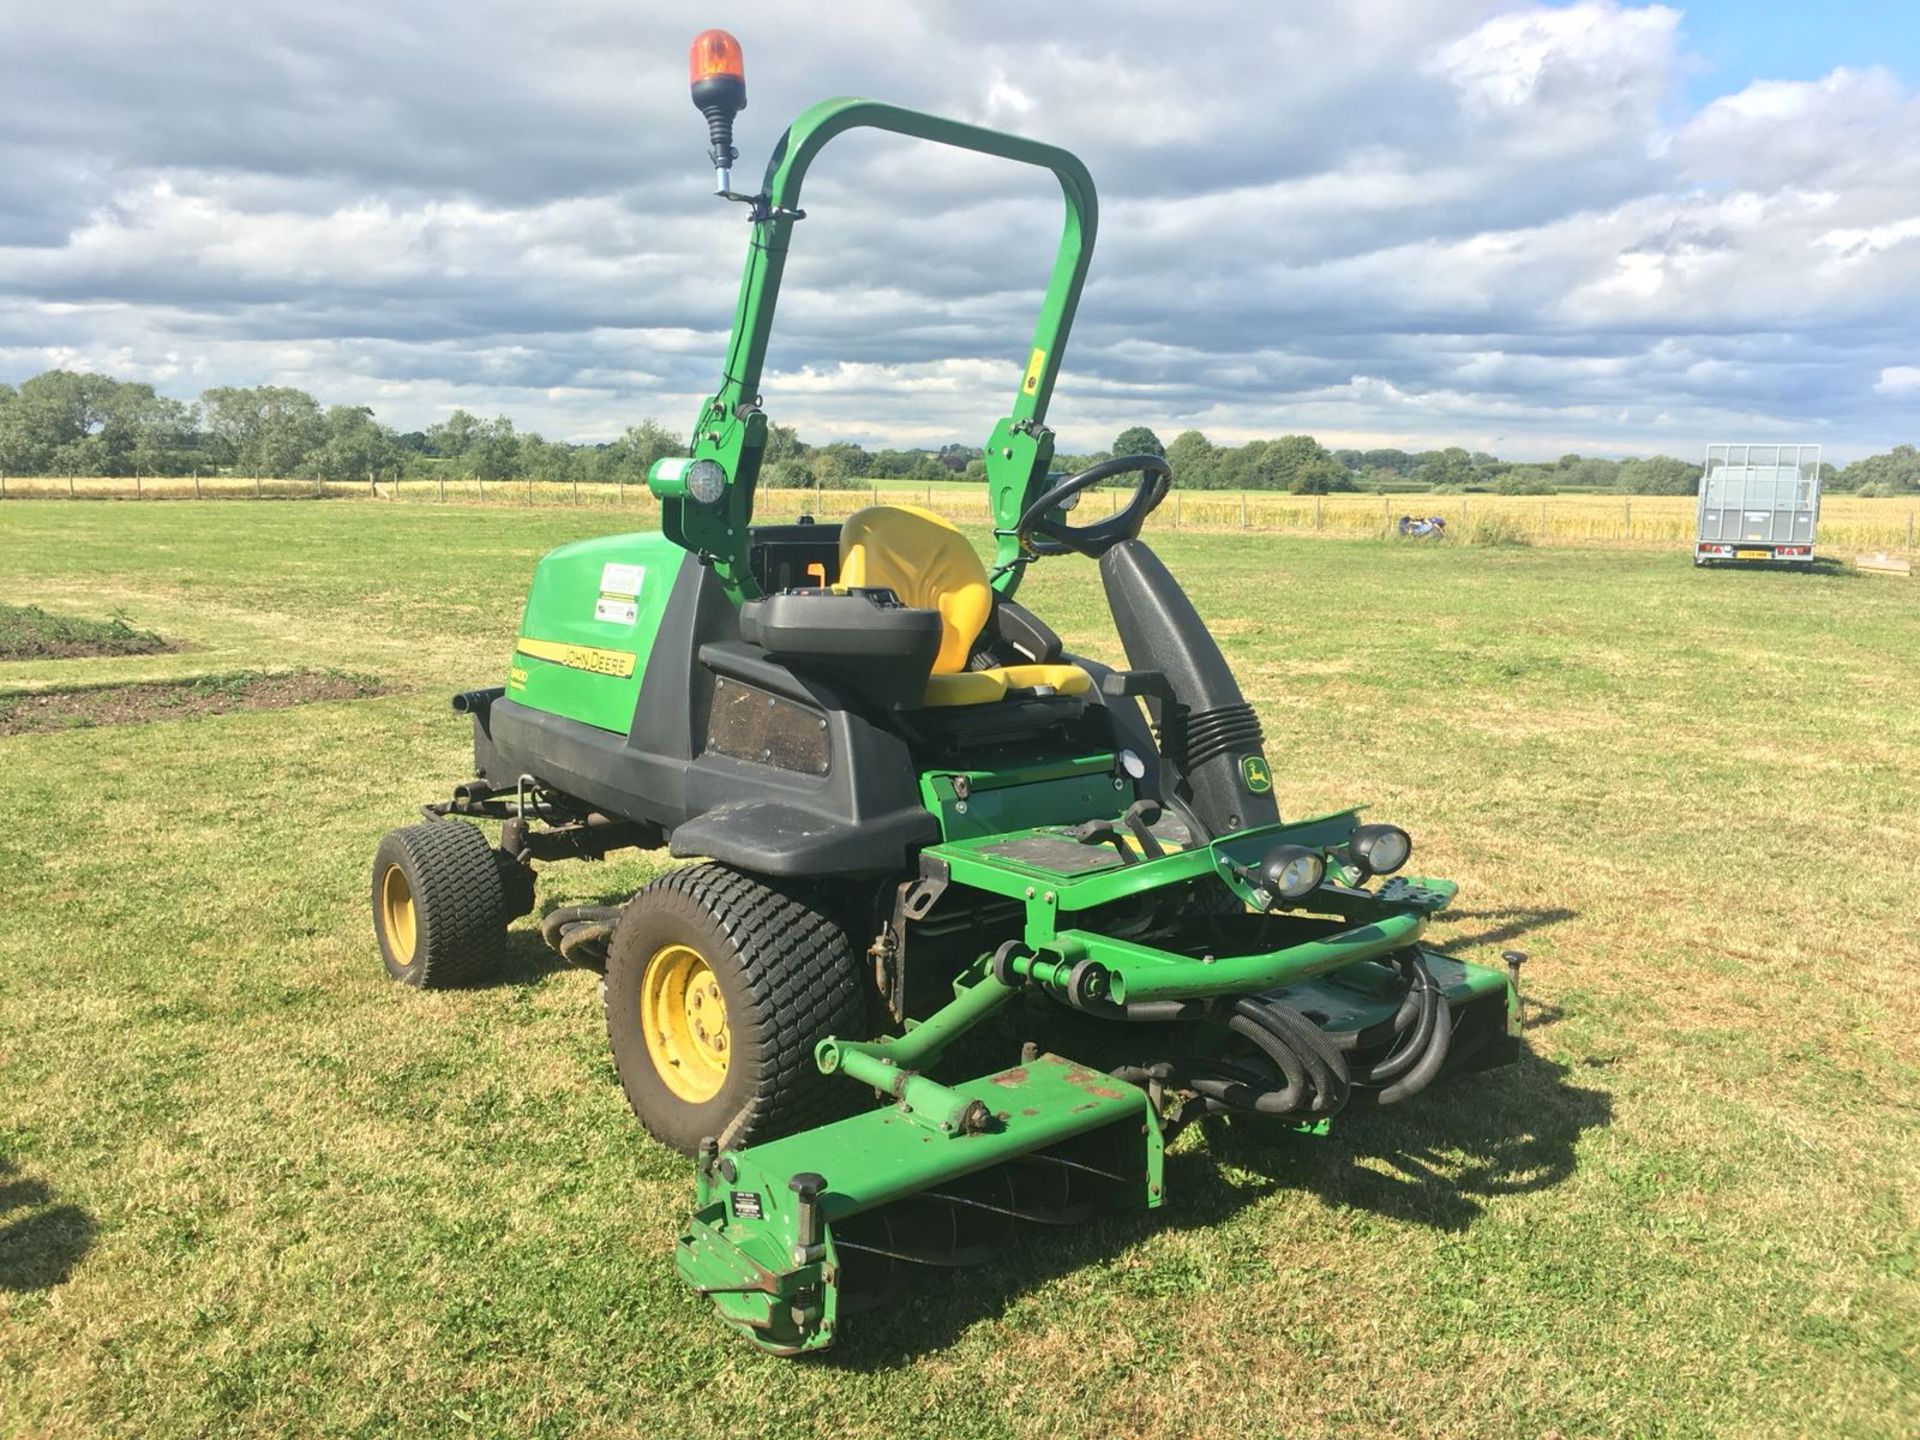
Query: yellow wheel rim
pixel 397 920
pixel 684 1018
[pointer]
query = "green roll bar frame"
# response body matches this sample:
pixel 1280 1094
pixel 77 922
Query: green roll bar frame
pixel 732 428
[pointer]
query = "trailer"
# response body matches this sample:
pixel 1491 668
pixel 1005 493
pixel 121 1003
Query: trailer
pixel 1758 504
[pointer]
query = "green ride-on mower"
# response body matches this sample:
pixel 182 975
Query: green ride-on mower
pixel 913 813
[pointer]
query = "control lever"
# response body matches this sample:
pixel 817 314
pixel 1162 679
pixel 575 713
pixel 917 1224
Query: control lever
pixel 1139 820
pixel 1102 832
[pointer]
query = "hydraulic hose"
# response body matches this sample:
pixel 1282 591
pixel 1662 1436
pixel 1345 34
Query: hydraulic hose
pixel 1316 1077
pixel 1431 1060
pixel 1413 1063
pixel 581 933
pixel 1313 1071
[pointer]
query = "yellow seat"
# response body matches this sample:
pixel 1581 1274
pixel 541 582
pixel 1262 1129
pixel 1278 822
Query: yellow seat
pixel 925 560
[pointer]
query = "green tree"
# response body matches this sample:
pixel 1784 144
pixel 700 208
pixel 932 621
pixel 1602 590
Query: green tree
pixel 1449 469
pixel 1657 475
pixel 355 447
pixel 1138 440
pixel 1300 464
pixel 267 430
pixel 1192 456
pixel 454 436
pixel 1897 472
pixel 494 453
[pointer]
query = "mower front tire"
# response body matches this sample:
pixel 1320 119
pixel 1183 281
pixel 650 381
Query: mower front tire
pixel 718 987
pixel 440 904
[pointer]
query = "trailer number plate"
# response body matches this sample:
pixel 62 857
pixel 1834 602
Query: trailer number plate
pixel 1753 554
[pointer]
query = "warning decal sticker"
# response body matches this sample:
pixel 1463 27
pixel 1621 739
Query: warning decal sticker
pixel 619 601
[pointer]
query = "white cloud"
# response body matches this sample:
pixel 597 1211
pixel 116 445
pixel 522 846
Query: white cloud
pixel 1390 221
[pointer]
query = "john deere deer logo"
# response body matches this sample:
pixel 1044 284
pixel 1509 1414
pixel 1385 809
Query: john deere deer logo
pixel 1254 771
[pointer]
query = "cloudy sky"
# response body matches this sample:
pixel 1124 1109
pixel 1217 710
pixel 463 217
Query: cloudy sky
pixel 1526 228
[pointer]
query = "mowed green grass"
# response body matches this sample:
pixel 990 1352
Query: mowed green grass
pixel 250 1187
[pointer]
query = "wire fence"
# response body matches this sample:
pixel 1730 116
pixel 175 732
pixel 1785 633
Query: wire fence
pixel 1846 522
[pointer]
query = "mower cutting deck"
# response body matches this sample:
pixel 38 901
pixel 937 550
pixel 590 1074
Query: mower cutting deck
pixel 916 812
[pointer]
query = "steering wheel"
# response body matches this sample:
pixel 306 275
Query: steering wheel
pixel 1040 533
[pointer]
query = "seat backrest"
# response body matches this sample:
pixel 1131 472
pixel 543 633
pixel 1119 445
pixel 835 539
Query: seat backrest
pixel 925 560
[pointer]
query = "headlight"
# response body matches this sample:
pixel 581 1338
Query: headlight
pixel 706 481
pixel 1380 849
pixel 1292 871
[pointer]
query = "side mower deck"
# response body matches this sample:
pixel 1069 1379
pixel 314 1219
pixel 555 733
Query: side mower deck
pixel 790 1232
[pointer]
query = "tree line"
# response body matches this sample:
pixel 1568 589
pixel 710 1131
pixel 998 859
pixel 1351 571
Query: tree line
pixel 66 422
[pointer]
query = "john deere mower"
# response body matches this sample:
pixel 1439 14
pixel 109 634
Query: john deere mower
pixel 914 813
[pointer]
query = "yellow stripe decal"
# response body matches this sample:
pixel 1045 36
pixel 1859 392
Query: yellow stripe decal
pixel 617 663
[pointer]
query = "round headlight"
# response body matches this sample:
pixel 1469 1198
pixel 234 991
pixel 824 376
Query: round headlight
pixel 1380 849
pixel 1292 871
pixel 707 481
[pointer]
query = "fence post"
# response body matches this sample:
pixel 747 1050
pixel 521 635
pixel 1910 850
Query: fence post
pixel 196 484
pixel 874 490
pixel 576 489
pixel 621 481
pixel 70 487
pixel 1386 517
pixel 1317 524
pixel 256 487
pixel 483 486
pixel 1176 509
pixel 1909 529
pixel 443 488
pixel 136 485
pixel 529 489
pixel 1626 518
pixel 1543 522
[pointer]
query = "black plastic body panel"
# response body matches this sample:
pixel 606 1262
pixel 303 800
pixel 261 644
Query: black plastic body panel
pixel 1209 736
pixel 863 816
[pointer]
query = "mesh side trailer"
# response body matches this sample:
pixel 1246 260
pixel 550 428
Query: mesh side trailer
pixel 1758 504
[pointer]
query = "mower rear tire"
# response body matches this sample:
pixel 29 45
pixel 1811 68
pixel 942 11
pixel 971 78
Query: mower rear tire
pixel 718 987
pixel 440 904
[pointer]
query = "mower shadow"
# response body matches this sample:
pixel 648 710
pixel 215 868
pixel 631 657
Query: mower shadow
pixel 39 1243
pixel 1434 1163
pixel 1508 925
pixel 529 961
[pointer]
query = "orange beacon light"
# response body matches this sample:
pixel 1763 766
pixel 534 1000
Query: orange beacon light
pixel 718 75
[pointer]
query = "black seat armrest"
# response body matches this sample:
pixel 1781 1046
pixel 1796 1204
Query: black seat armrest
pixel 1127 684
pixel 1020 630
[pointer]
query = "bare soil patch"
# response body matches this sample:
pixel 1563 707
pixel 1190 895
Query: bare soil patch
pixel 170 700
pixel 29 633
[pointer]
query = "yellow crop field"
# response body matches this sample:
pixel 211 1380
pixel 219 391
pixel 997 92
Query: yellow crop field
pixel 1847 523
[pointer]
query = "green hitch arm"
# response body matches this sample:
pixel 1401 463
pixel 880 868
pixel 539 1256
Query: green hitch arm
pixel 892 1066
pixel 1140 972
pixel 928 1101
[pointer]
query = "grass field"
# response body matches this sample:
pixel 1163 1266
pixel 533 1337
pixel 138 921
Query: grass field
pixel 1848 524
pixel 249 1187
